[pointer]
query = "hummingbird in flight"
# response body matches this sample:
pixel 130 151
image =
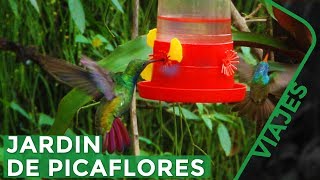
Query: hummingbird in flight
pixel 114 89
pixel 267 82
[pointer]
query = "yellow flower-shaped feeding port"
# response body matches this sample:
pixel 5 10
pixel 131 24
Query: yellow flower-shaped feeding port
pixel 175 53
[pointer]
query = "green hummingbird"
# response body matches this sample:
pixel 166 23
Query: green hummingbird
pixel 267 82
pixel 114 89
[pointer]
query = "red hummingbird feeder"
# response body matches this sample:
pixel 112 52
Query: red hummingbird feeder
pixel 206 71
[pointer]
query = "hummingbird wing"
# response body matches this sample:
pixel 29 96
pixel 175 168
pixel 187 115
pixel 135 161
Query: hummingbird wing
pixel 72 75
pixel 245 71
pixel 280 78
pixel 101 77
pixel 257 112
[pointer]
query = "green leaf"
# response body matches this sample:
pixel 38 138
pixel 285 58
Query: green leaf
pixel 45 120
pixel 67 108
pixel 14 7
pixel 247 56
pixel 222 117
pixel 16 107
pixel 207 122
pixel 1 156
pixel 115 62
pixel 117 5
pixel 184 112
pixel 82 39
pixel 266 42
pixel 200 108
pixel 146 140
pixel 118 60
pixel 167 154
pixel 70 133
pixel 109 47
pixel 102 38
pixel 35 5
pixel 83 132
pixel 224 138
pixel 77 14
pixel 144 153
pixel 269 7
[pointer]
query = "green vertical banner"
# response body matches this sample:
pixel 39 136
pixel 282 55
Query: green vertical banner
pixel 81 157
pixel 289 103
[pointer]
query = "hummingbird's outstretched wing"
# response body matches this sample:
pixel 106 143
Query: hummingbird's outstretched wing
pixel 77 77
pixel 100 76
pixel 258 112
pixel 280 78
pixel 245 71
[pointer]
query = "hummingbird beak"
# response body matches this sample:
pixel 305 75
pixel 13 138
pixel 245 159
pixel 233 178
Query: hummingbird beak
pixel 153 61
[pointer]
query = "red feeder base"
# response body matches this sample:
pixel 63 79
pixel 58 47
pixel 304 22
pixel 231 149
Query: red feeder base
pixel 148 90
pixel 197 78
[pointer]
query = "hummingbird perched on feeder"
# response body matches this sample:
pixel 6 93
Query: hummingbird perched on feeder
pixel 267 83
pixel 114 89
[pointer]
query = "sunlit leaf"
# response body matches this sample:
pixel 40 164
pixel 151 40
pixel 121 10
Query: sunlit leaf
pixel 16 107
pixel 68 107
pixel 1 156
pixel 144 153
pixel 117 5
pixel 35 5
pixel 83 132
pixel 184 112
pixel 82 39
pixel 109 47
pixel 102 38
pixel 45 120
pixel 208 122
pixel 267 4
pixel 224 138
pixel 247 56
pixel 222 117
pixel 115 62
pixel 70 133
pixel 14 7
pixel 146 140
pixel 118 60
pixel 77 14
pixel 200 108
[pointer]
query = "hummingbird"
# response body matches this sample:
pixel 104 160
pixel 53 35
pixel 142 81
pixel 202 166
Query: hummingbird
pixel 114 89
pixel 267 84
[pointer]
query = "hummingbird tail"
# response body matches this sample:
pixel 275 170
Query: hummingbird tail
pixel 254 111
pixel 117 139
